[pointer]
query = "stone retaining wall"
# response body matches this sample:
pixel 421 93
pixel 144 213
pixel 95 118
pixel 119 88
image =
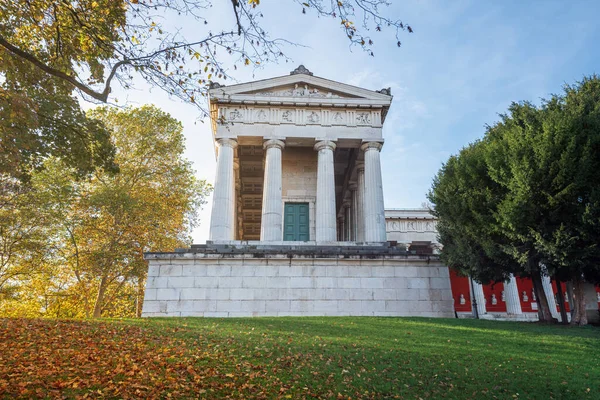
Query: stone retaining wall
pixel 241 285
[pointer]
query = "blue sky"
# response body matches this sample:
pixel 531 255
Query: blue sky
pixel 464 64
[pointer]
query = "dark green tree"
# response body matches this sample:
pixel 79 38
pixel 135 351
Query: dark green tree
pixel 524 199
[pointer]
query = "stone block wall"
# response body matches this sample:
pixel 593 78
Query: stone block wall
pixel 241 286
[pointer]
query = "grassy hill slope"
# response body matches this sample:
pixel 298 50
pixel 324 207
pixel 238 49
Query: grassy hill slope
pixel 298 358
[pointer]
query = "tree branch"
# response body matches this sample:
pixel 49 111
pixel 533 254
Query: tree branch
pixel 235 4
pixel 102 96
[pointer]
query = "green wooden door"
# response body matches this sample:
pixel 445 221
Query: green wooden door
pixel 295 222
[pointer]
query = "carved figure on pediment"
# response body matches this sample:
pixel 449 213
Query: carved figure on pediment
pixel 235 114
pixel 262 115
pixel 411 226
pixel 297 91
pixel 429 226
pixel 313 117
pixel 287 116
pixel 338 117
pixel 363 118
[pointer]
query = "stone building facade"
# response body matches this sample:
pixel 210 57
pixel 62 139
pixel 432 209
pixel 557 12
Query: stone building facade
pixel 511 300
pixel 298 222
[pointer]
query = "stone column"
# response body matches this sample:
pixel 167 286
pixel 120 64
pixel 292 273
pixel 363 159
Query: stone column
pixel 325 213
pixel 360 200
pixel 547 284
pixel 374 212
pixel 511 295
pixel 479 298
pixel 222 222
pixel 348 219
pixel 271 226
pixel 354 207
pixel 236 188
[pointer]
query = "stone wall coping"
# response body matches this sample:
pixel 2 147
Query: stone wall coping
pixel 292 251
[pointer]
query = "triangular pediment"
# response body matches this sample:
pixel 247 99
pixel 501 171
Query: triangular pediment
pixel 299 87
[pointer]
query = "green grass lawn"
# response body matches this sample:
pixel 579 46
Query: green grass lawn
pixel 316 357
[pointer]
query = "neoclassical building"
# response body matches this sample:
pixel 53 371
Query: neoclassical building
pixel 298 223
pixel 298 159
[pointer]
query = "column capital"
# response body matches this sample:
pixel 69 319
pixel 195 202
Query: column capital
pixel 324 144
pixel 227 142
pixel 274 143
pixel 371 145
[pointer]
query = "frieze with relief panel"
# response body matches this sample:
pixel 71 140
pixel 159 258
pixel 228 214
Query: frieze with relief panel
pixel 300 116
pixel 411 226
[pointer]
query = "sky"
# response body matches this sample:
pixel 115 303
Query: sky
pixel 464 64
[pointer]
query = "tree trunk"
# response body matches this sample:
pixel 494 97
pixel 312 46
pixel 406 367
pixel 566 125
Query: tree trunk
pixel 140 298
pixel 561 301
pixel 544 313
pixel 580 317
pixel 100 298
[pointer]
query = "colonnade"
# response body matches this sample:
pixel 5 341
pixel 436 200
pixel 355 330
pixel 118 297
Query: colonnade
pixel 363 214
pixel 511 296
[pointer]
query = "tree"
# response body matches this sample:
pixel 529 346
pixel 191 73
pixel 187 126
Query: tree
pixel 94 231
pixel 40 118
pixel 89 44
pixel 150 204
pixel 465 201
pixel 527 195
pixel 571 141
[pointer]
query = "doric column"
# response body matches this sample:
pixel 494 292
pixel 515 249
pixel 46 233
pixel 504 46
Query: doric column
pixel 511 295
pixel 325 215
pixel 373 202
pixel 360 200
pixel 222 223
pixel 271 226
pixel 547 284
pixel 354 207
pixel 479 298
pixel 348 220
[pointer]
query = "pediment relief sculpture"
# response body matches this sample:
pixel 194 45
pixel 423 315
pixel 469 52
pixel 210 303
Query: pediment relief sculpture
pixel 300 90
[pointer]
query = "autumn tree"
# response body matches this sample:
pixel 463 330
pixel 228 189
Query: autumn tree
pixel 94 231
pixel 150 204
pixel 91 44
